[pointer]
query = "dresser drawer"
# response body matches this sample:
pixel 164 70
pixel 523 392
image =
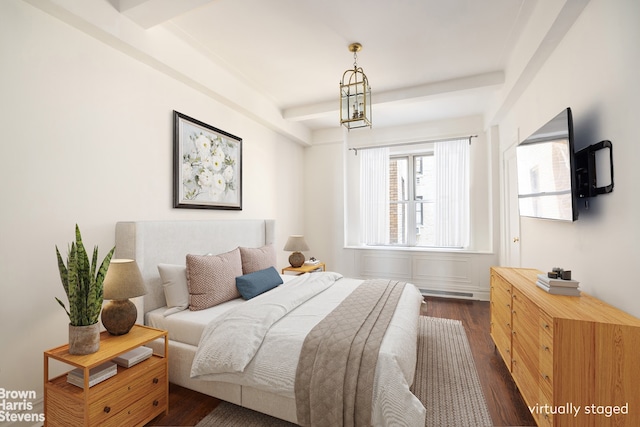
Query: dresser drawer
pixel 136 413
pixel 500 288
pixel 525 331
pixel 523 354
pixel 523 306
pixel 501 314
pixel 525 375
pixel 546 356
pixel 502 338
pixel 546 323
pixel 124 389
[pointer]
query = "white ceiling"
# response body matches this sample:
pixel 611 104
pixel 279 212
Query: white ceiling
pixel 279 62
pixel 425 59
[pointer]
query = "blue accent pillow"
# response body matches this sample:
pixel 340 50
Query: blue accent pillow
pixel 253 284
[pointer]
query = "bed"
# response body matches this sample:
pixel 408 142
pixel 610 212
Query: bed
pixel 266 381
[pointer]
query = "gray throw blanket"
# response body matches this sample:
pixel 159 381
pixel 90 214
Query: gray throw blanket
pixel 334 378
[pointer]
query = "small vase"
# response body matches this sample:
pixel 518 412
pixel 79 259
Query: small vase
pixel 84 339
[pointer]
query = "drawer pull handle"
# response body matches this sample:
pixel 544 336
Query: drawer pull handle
pixel 545 376
pixel 107 409
pixel 546 326
pixel 155 381
pixel 156 403
pixel 545 348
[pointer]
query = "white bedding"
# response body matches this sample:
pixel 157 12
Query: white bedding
pixel 273 368
pixel 186 326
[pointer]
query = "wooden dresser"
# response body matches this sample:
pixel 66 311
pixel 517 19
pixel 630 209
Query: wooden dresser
pixel 576 360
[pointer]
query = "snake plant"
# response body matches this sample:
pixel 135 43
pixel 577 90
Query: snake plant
pixel 82 283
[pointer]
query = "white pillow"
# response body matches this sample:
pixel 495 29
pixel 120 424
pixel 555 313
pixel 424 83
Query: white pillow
pixel 176 291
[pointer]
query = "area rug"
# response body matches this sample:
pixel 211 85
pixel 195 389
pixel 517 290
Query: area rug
pixel 446 382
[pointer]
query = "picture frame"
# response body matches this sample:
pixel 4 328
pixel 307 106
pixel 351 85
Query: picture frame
pixel 207 168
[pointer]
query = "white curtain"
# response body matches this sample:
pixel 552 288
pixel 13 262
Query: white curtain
pixel 452 193
pixel 374 194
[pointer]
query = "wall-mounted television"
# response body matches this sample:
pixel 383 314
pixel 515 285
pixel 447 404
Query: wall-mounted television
pixel 546 171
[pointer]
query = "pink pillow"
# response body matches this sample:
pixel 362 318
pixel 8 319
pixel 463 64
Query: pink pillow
pixel 211 279
pixel 256 259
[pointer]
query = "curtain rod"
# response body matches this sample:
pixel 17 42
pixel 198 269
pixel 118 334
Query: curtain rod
pixel 412 143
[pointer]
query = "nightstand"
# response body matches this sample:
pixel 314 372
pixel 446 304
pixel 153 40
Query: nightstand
pixel 306 268
pixel 132 397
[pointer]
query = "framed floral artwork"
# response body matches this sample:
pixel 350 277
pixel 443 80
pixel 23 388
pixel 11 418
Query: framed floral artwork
pixel 207 169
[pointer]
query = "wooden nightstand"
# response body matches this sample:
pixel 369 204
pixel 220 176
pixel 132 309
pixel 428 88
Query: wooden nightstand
pixel 305 268
pixel 133 397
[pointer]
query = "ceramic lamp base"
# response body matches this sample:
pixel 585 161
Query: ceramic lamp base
pixel 119 316
pixel 296 259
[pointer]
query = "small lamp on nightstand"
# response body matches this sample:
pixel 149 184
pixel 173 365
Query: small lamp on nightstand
pixel 296 244
pixel 123 281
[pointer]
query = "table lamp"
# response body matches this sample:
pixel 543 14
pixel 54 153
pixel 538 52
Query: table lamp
pixel 123 281
pixel 296 244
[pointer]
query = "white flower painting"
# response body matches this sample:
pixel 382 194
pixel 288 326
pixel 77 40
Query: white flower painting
pixel 207 166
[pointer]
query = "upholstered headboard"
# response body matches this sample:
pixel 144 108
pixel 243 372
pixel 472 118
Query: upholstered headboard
pixel 154 242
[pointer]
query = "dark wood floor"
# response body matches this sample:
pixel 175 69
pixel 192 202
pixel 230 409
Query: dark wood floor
pixel 187 408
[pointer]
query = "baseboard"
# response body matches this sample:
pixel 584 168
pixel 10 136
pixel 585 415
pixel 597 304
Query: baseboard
pixel 476 295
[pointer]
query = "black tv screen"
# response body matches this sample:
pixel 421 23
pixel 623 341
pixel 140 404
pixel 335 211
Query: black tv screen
pixel 546 171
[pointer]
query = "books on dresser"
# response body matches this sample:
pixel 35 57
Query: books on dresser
pixel 134 356
pixel 96 374
pixel 558 286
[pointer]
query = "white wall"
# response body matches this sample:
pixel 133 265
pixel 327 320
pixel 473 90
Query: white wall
pixel 593 70
pixel 87 139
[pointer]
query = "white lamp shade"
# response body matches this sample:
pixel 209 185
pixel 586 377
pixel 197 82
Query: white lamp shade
pixel 296 244
pixel 123 280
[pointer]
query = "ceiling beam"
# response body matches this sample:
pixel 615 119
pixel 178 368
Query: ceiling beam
pixel 404 95
pixel 149 13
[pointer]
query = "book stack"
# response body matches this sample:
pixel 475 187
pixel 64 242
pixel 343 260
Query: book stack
pixel 313 262
pixel 96 374
pixel 133 357
pixel 558 286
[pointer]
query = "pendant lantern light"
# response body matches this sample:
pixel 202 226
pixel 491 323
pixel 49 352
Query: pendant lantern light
pixel 355 95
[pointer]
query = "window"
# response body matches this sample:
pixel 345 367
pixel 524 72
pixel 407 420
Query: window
pixel 411 189
pixel 426 192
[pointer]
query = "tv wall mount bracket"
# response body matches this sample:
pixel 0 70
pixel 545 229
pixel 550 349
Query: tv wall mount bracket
pixel 586 175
